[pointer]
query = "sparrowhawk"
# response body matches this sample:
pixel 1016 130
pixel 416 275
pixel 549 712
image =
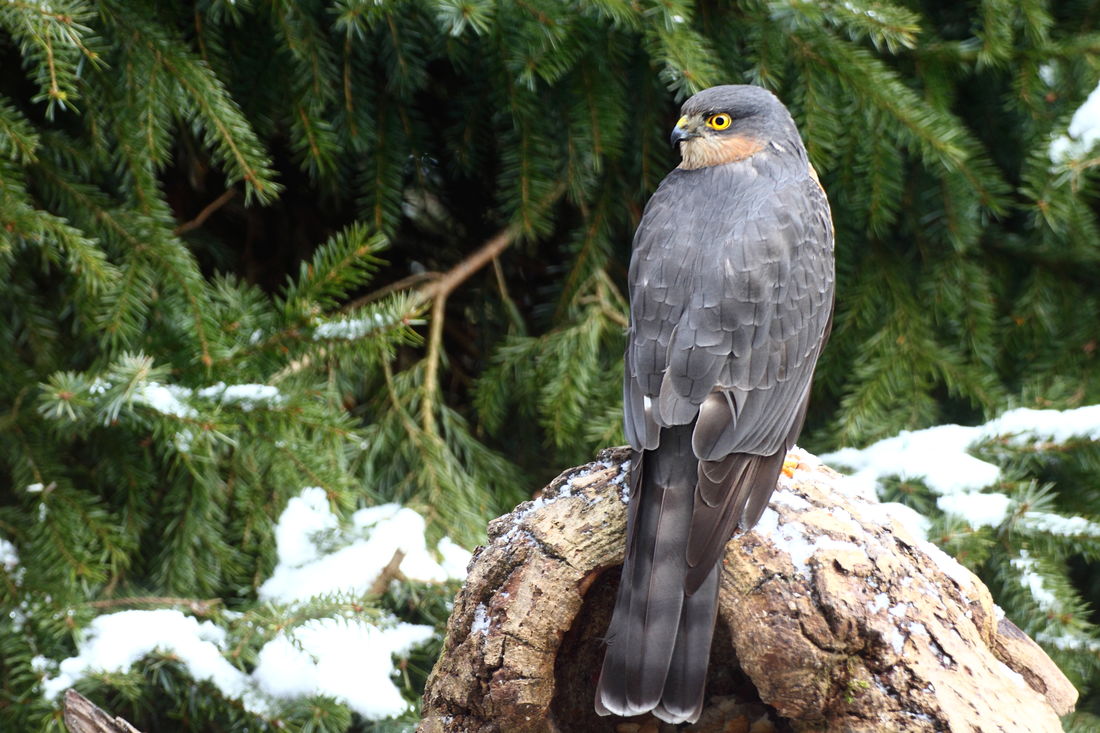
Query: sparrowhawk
pixel 731 299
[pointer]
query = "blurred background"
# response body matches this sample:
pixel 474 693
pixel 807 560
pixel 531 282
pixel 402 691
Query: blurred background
pixel 379 248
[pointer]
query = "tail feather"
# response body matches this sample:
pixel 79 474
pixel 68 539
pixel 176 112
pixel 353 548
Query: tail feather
pixel 682 698
pixel 659 638
pixel 749 487
pixel 657 609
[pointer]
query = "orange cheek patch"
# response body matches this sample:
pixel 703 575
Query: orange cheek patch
pixel 739 148
pixel 702 152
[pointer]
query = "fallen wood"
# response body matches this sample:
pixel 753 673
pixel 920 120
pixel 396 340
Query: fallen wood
pixel 834 616
pixel 81 715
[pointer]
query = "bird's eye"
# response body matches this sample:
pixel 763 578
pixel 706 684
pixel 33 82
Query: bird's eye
pixel 719 121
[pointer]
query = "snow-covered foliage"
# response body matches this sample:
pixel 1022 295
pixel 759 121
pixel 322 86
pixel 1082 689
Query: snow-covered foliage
pixel 333 651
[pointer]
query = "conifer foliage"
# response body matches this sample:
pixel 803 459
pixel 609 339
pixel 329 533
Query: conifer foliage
pixel 379 247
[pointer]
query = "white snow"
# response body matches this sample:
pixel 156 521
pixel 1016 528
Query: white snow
pixel 980 510
pixel 867 12
pixel 480 624
pixel 791 537
pixel 18 616
pixel 348 329
pixel 950 567
pixel 183 440
pixel 1068 642
pixel 9 558
pixel 916 523
pixel 1048 73
pixel 455 558
pixel 305 516
pixel 1083 132
pixel 935 455
pixel 350 660
pixel 938 456
pixel 1023 424
pixel 115 641
pixel 528 507
pixel 165 398
pixel 35 488
pixel 785 497
pixel 1012 674
pixel 1033 582
pixel 1057 524
pixel 246 396
pixel 172 399
pixel 318 556
pixel 897 641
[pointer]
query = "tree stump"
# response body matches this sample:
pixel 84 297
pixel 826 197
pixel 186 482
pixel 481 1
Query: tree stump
pixel 833 616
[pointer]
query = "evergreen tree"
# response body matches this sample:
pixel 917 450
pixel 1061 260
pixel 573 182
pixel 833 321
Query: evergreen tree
pixel 379 248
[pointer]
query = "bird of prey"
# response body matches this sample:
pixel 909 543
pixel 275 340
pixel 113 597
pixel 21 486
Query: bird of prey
pixel 731 299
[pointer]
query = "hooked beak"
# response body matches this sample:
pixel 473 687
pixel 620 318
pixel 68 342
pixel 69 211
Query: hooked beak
pixel 683 131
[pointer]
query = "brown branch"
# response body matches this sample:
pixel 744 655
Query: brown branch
pixel 431 369
pixel 458 274
pixel 442 284
pixel 392 571
pixel 437 291
pixel 213 206
pixel 402 284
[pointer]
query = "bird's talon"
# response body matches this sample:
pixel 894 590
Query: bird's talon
pixel 790 463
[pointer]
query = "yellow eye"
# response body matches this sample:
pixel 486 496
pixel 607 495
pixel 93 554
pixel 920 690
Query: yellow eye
pixel 719 121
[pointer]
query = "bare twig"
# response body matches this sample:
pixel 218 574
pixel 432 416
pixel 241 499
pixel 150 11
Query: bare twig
pixel 205 214
pixel 392 571
pixel 463 270
pixel 443 283
pixel 402 284
pixel 431 369
pixel 437 292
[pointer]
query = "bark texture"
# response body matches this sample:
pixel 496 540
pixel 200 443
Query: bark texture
pixel 834 616
pixel 81 715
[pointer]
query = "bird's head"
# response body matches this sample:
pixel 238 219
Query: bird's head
pixel 729 123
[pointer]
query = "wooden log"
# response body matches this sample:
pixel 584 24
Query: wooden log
pixel 81 715
pixel 834 616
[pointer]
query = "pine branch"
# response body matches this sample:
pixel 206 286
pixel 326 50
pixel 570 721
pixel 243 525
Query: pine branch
pixel 18 140
pixel 208 103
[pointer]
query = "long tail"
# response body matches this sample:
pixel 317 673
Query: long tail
pixel 658 643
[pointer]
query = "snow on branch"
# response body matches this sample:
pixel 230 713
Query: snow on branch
pixel 940 457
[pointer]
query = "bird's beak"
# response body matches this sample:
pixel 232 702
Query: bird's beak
pixel 683 131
